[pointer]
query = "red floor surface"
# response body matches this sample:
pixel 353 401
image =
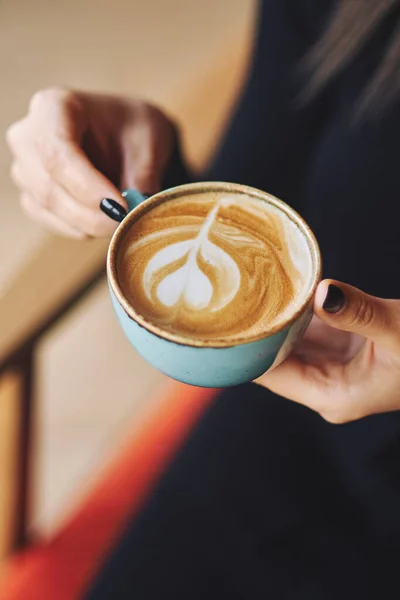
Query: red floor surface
pixel 63 567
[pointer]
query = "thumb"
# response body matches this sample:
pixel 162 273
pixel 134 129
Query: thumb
pixel 347 308
pixel 140 168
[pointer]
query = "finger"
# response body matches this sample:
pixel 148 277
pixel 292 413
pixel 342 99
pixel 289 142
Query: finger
pixel 295 380
pixel 317 335
pixel 347 308
pixel 141 169
pixel 50 136
pixel 92 222
pixel 314 387
pixel 52 198
pixel 69 167
pixel 62 161
pixel 14 135
pixel 47 219
pixel 16 175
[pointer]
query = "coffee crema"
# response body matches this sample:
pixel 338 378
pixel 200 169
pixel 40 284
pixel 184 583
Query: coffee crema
pixel 214 266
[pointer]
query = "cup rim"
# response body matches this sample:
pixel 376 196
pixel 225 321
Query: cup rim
pixel 212 186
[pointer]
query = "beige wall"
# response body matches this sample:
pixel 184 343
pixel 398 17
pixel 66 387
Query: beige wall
pixel 160 49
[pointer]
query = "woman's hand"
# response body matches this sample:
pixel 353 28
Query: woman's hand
pixel 72 149
pixel 347 366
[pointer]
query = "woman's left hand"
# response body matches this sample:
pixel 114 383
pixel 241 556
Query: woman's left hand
pixel 347 365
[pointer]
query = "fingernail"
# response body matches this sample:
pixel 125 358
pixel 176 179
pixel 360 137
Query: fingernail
pixel 113 209
pixel 334 299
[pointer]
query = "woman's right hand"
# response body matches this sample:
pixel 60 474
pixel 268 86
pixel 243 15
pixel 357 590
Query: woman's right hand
pixel 72 149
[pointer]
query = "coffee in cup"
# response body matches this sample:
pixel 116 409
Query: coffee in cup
pixel 214 265
pixel 212 282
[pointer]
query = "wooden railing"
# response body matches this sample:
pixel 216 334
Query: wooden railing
pixel 56 278
pixel 52 282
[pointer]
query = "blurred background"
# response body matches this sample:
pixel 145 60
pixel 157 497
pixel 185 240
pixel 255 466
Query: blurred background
pixel 90 389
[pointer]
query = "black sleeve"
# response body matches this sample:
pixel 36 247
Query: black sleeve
pixel 269 139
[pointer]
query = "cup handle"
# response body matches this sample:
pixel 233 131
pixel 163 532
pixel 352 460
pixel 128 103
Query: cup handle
pixel 133 198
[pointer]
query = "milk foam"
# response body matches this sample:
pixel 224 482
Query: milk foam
pixel 215 266
pixel 188 283
pixel 299 254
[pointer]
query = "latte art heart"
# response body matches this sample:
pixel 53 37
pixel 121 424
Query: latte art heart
pixel 174 274
pixel 212 266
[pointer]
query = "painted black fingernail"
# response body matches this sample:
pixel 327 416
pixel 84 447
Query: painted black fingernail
pixel 113 209
pixel 334 300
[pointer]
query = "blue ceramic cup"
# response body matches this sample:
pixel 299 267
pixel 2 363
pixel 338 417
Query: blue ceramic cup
pixel 210 363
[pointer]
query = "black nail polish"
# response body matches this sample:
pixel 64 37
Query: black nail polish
pixel 334 299
pixel 113 209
